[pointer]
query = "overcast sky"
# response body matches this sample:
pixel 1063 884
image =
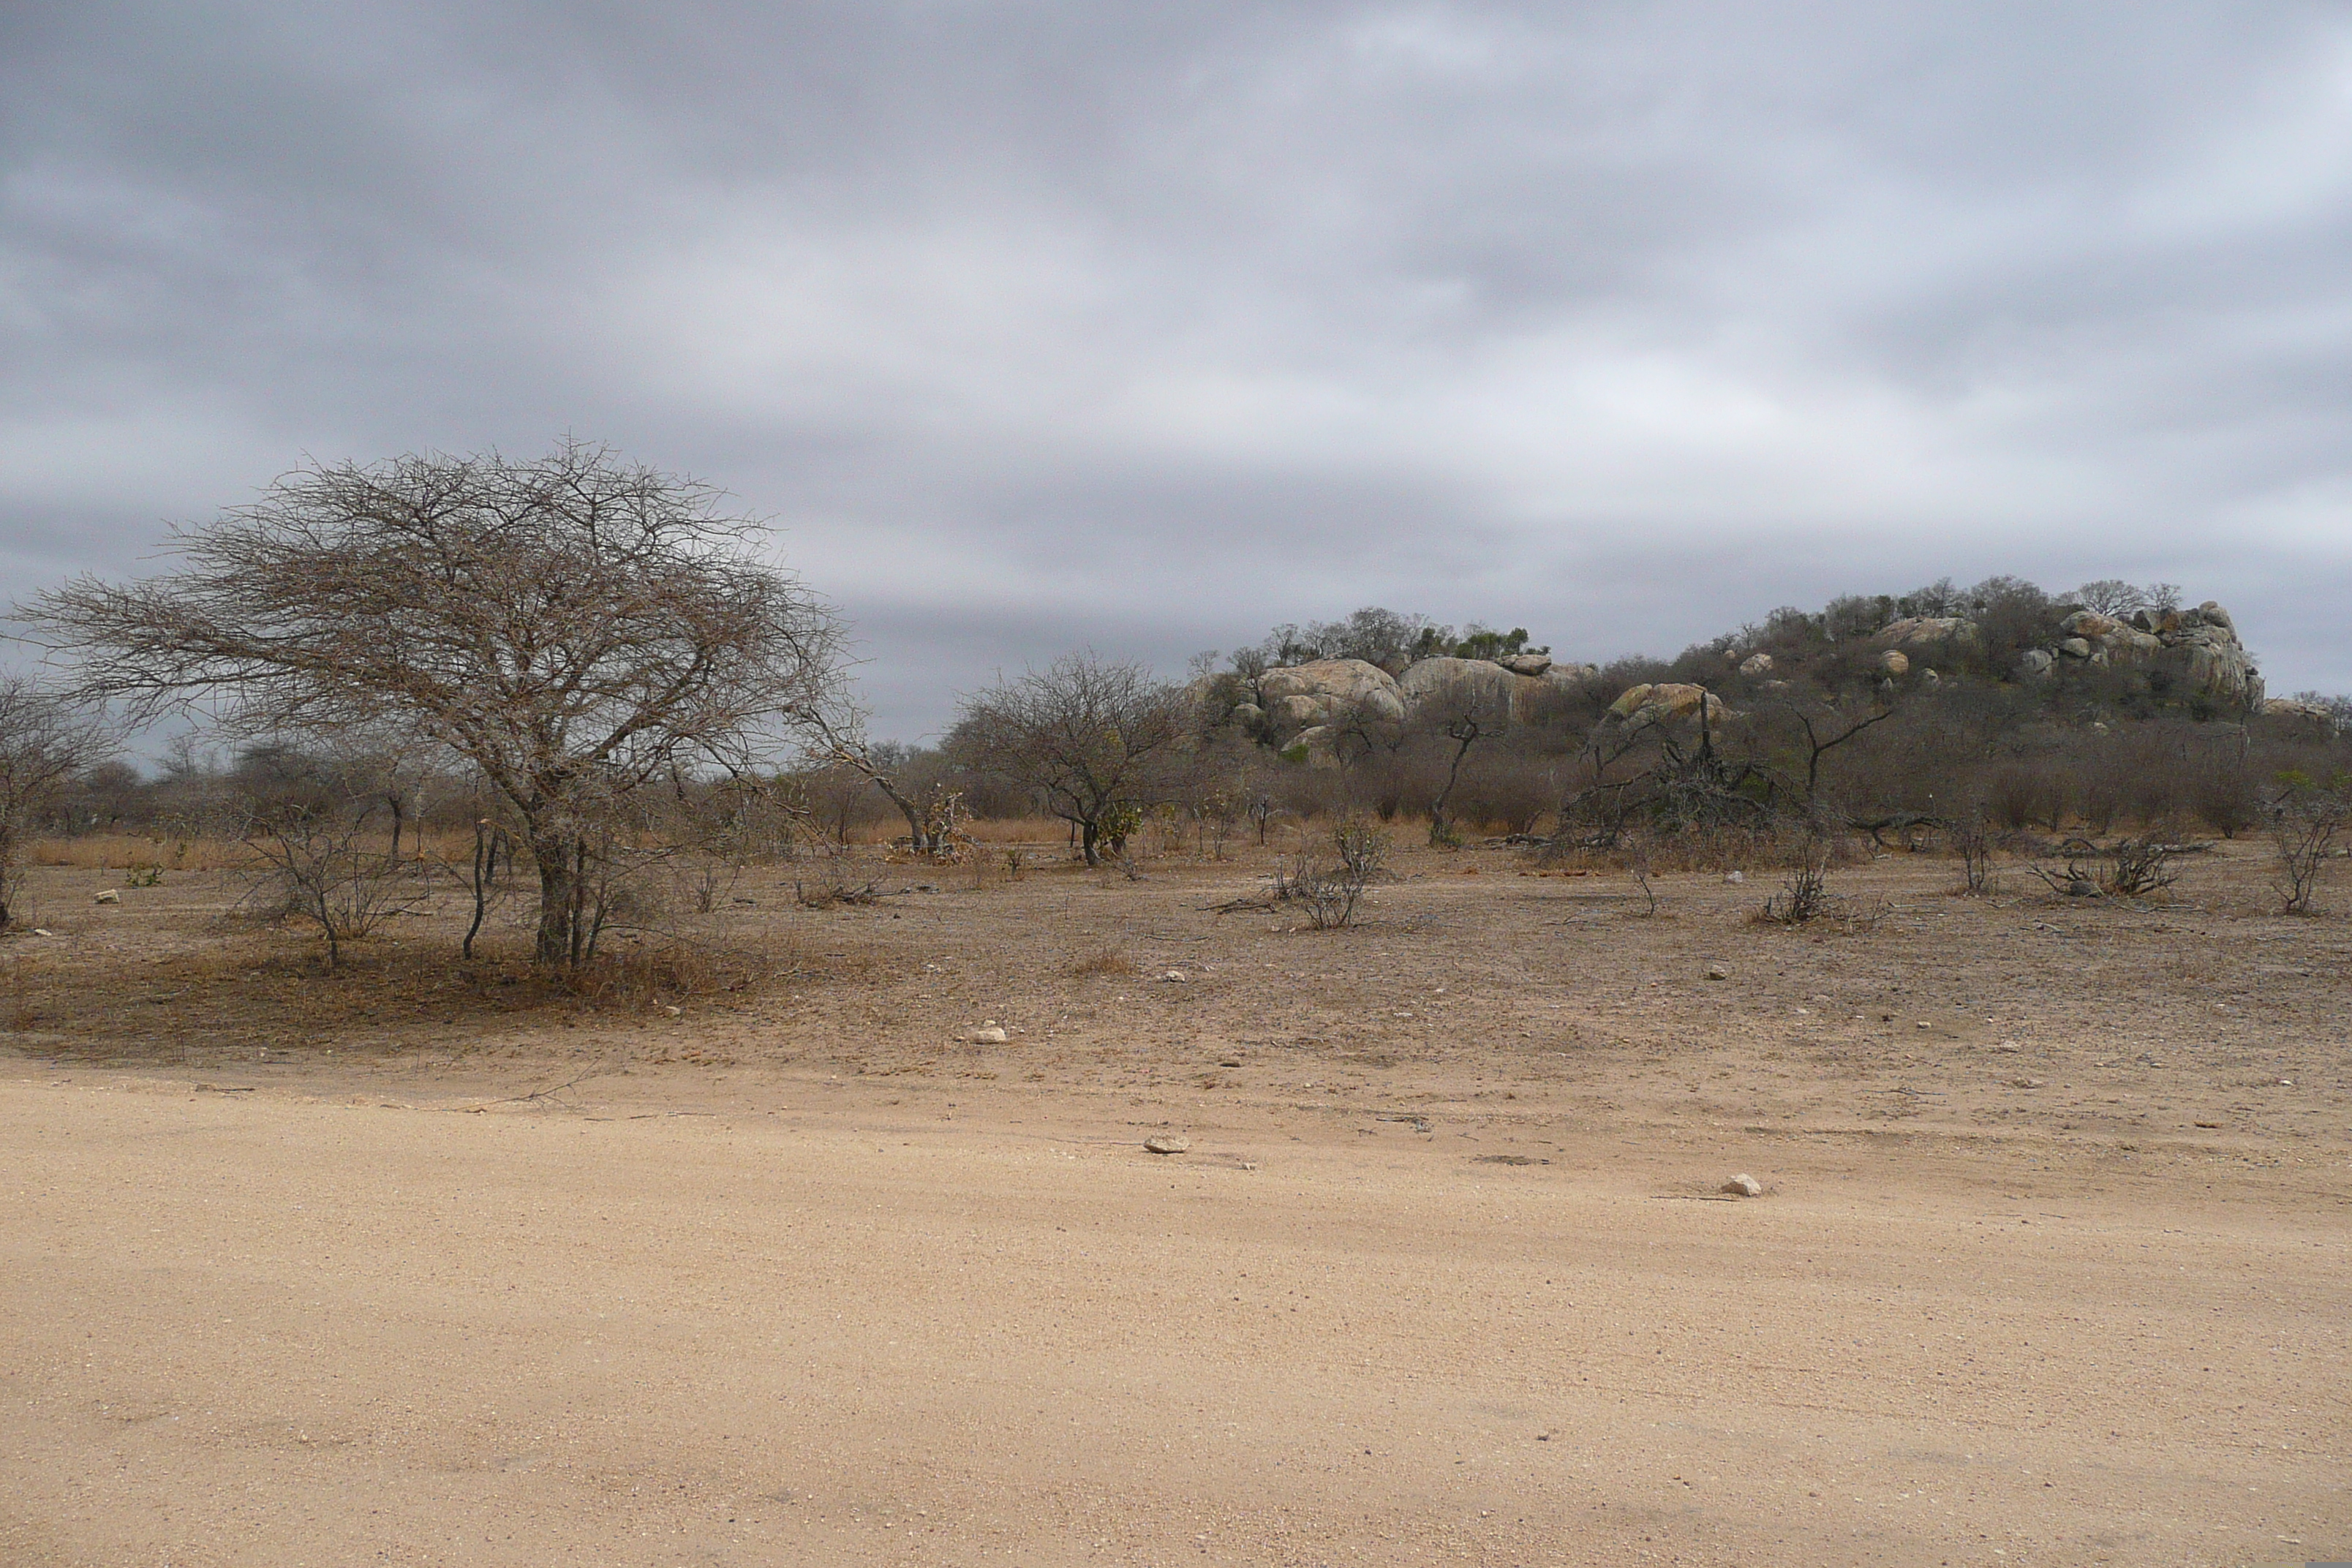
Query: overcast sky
pixel 1144 326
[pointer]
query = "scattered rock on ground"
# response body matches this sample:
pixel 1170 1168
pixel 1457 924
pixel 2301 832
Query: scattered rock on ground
pixel 108 897
pixel 990 1035
pixel 1165 1144
pixel 1744 1186
pixel 1718 972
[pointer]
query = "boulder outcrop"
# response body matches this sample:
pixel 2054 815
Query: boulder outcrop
pixel 2201 644
pixel 2298 712
pixel 1924 631
pixel 1285 704
pixel 1668 699
pixel 1301 696
pixel 1477 682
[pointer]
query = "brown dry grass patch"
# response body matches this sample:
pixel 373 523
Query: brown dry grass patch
pixel 1107 959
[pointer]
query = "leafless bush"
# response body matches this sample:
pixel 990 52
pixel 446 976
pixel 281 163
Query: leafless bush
pixel 2129 868
pixel 2304 823
pixel 2224 794
pixel 835 887
pixel 1804 894
pixel 1331 896
pixel 2145 863
pixel 2022 794
pixel 1970 839
pixel 318 870
pixel 45 739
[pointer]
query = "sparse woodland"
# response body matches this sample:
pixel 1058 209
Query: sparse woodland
pixel 569 687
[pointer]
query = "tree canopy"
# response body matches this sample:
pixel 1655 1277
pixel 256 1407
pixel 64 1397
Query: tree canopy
pixel 573 625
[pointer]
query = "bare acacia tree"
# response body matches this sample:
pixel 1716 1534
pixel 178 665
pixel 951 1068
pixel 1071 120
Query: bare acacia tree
pixel 1089 738
pixel 572 627
pixel 1826 729
pixel 837 736
pixel 45 739
pixel 1463 729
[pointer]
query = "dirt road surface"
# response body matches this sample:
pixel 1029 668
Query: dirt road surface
pixel 797 1324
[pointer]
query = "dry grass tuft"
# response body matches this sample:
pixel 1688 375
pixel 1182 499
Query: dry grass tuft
pixel 1104 960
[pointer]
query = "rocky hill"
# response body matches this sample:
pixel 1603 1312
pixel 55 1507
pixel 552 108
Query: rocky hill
pixel 2114 654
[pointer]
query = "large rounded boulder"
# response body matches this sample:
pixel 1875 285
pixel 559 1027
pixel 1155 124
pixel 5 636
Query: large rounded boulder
pixel 1669 700
pixel 1477 684
pixel 1327 690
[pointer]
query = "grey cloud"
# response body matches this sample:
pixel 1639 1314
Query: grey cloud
pixel 1037 324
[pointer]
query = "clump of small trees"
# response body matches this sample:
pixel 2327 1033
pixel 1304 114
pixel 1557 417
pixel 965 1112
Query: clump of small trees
pixel 1090 739
pixel 584 636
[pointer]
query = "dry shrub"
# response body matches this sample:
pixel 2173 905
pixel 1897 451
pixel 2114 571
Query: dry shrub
pixel 1805 897
pixel 1972 842
pixel 1331 898
pixel 1104 959
pixel 837 880
pixel 2304 823
pixel 2137 867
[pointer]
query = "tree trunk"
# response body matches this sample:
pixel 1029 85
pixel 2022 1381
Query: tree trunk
pixel 918 837
pixel 558 894
pixel 1088 834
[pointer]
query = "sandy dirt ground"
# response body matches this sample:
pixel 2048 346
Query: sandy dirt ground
pixel 407 1266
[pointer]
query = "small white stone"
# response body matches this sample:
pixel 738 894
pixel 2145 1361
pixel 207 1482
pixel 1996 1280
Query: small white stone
pixel 1744 1186
pixel 1718 972
pixel 110 896
pixel 989 1036
pixel 1165 1144
pixel 1174 977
